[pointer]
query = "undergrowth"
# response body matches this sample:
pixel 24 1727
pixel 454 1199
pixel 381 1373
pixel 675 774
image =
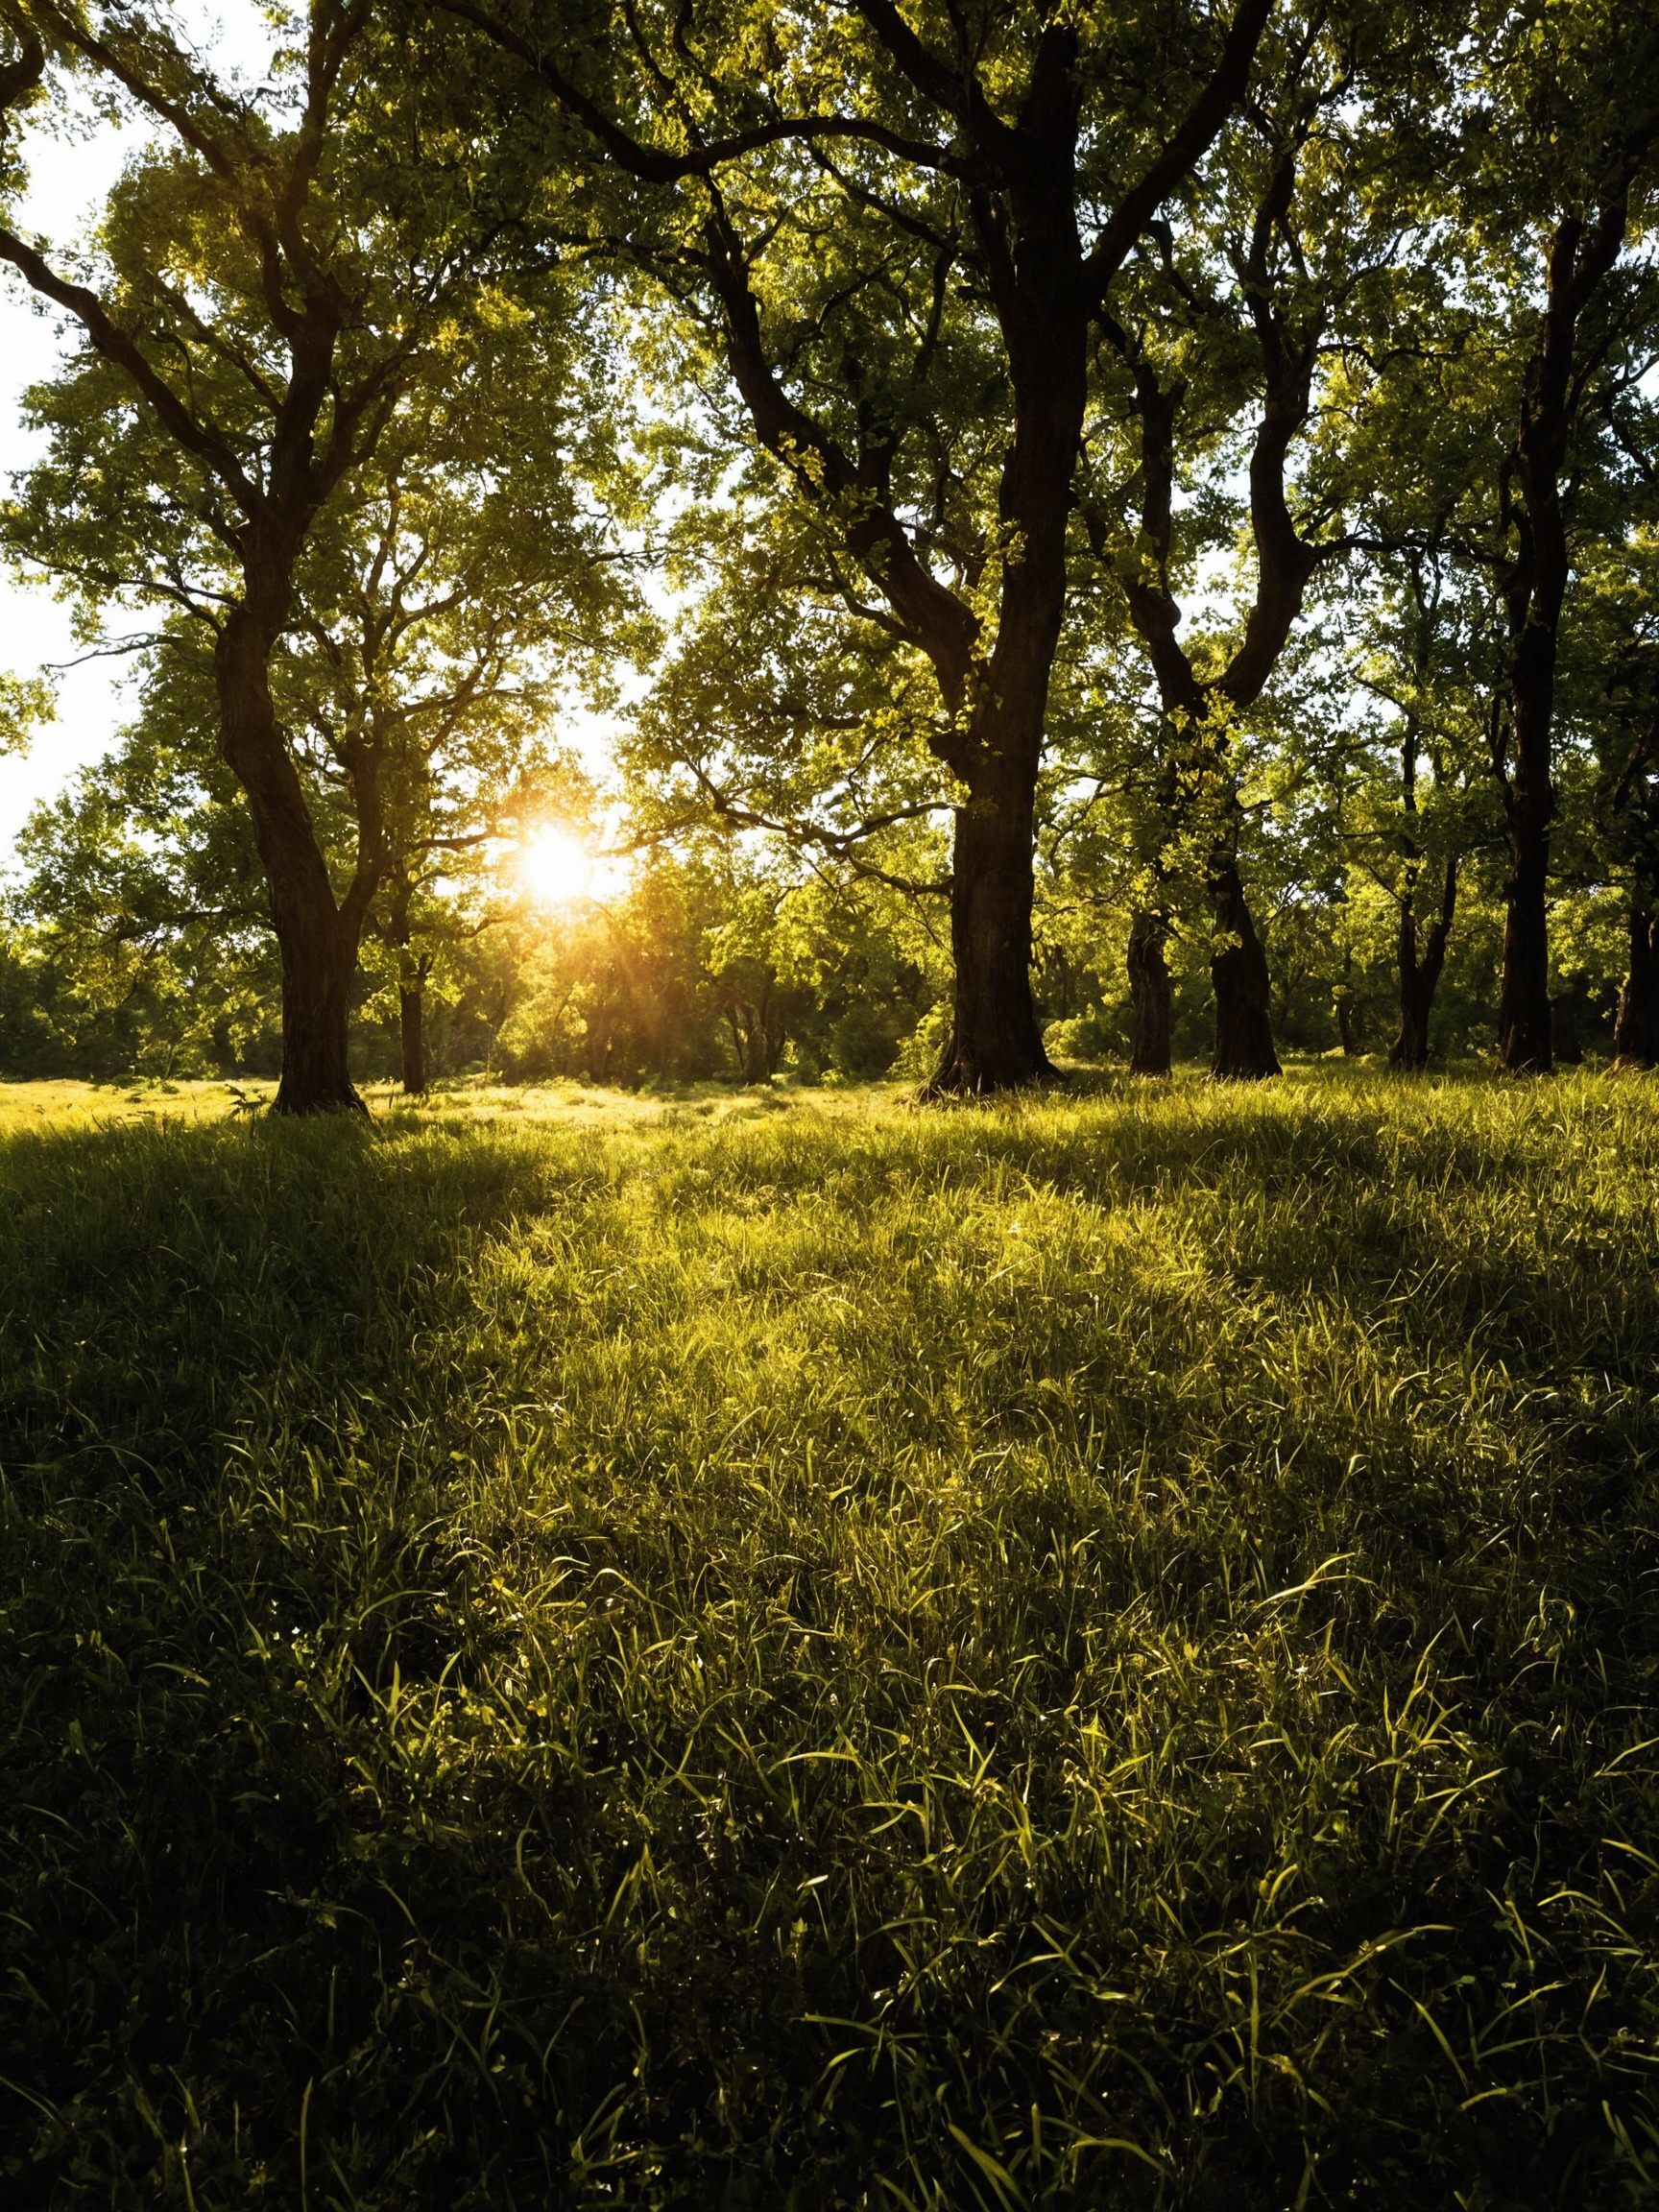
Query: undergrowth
pixel 1094 1652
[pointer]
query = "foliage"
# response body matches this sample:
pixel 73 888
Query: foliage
pixel 25 702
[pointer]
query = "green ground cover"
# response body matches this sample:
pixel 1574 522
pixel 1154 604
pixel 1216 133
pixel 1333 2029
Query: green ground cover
pixel 803 1652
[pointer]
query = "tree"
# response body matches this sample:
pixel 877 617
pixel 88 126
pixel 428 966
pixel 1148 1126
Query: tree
pixel 1467 440
pixel 1612 681
pixel 271 284
pixel 142 906
pixel 901 239
pixel 1312 203
pixel 1564 168
pixel 1431 652
pixel 443 610
pixel 446 614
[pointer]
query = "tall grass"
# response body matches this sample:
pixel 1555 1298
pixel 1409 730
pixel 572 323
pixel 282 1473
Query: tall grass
pixel 1094 1652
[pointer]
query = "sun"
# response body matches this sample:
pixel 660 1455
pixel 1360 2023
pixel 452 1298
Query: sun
pixel 555 868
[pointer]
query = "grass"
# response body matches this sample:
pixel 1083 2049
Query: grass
pixel 797 1652
pixel 73 1105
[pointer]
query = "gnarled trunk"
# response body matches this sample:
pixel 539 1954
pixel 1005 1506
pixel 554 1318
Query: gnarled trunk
pixel 1151 1007
pixel 1022 250
pixel 317 975
pixel 756 1030
pixel 1636 1027
pixel 1239 972
pixel 1410 1046
pixel 318 943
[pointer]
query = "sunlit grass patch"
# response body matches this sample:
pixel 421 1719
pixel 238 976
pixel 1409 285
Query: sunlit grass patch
pixel 1097 1649
pixel 70 1105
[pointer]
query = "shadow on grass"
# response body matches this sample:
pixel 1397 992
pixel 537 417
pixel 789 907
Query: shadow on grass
pixel 1091 1652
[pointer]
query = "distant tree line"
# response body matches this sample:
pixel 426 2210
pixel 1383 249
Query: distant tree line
pixel 1128 534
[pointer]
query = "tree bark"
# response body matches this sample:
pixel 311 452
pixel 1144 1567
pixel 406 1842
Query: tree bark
pixel 1238 973
pixel 996 1043
pixel 1524 1025
pixel 317 938
pixel 411 1034
pixel 1636 1026
pixel 1410 1046
pixel 1042 302
pixel 1151 1008
pixel 1420 974
pixel 1564 1047
pixel 1347 1027
pixel 1580 256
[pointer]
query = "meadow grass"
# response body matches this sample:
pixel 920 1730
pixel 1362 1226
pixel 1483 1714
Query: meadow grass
pixel 795 1652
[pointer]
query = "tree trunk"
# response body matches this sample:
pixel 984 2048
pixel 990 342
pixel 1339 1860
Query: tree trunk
pixel 1150 999
pixel 1239 972
pixel 1342 1004
pixel 412 1033
pixel 994 1043
pixel 1199 712
pixel 1410 1046
pixel 1564 1045
pixel 412 971
pixel 318 944
pixel 1524 1003
pixel 1536 588
pixel 766 1038
pixel 1417 981
pixel 756 1059
pixel 1025 234
pixel 1636 1028
pixel 1579 257
pixel 1420 978
pixel 317 975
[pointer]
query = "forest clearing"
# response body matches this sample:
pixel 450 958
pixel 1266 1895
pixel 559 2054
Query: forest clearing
pixel 828 1106
pixel 1090 1650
